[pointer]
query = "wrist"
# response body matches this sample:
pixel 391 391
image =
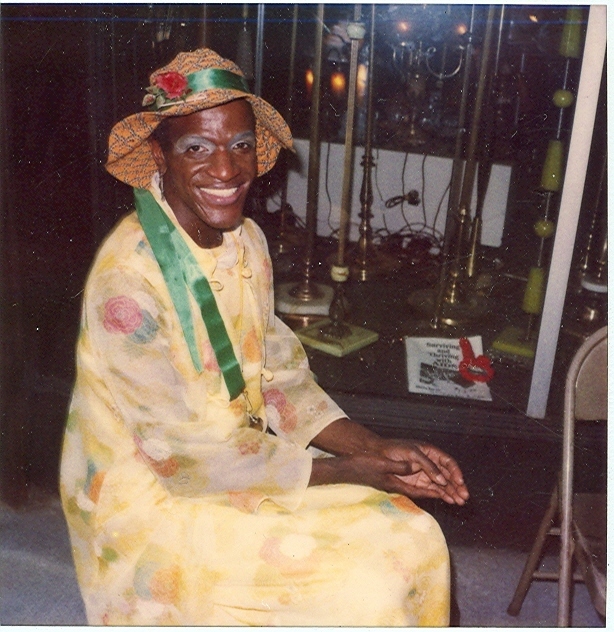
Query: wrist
pixel 332 470
pixel 344 437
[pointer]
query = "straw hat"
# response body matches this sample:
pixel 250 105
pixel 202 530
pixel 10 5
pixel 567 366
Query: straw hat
pixel 191 82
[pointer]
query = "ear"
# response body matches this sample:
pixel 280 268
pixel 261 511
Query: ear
pixel 158 155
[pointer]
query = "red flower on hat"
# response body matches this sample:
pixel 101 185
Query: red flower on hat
pixel 173 83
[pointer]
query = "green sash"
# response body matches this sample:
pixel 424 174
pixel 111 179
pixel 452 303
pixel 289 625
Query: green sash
pixel 182 272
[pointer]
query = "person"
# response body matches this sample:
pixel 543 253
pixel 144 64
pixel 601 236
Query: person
pixel 206 478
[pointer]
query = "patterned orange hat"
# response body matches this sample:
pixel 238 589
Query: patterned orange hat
pixel 191 82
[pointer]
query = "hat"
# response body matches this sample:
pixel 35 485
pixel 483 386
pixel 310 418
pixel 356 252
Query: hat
pixel 191 82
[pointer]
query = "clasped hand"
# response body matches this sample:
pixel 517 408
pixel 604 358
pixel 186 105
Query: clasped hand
pixel 416 470
pixel 432 473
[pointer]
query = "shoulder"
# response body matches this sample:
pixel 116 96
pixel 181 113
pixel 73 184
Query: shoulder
pixel 252 233
pixel 125 253
pixel 125 242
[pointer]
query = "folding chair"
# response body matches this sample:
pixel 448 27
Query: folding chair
pixel 579 519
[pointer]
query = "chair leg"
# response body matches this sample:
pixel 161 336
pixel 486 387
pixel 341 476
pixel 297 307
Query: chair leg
pixel 534 556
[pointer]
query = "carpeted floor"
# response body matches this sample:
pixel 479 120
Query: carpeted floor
pixel 38 584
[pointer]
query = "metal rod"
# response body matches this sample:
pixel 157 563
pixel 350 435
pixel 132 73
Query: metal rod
pixel 348 162
pixel 584 264
pixel 306 290
pixel 457 164
pixel 485 158
pixel 202 33
pixel 289 110
pixel 290 93
pixel 471 163
pixel 259 50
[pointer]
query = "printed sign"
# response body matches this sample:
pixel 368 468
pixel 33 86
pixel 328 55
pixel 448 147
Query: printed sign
pixel 433 367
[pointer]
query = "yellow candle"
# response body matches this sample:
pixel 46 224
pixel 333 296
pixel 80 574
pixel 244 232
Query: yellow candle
pixel 553 166
pixel 572 33
pixel 533 300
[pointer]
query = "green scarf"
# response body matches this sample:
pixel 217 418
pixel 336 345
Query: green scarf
pixel 182 272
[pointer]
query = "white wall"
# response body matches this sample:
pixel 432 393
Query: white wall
pixel 387 178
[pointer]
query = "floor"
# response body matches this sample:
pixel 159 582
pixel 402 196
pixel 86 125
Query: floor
pixel 38 584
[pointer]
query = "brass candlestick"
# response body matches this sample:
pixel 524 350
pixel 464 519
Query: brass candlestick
pixel 336 328
pixel 335 336
pixel 366 259
pixel 454 303
pixel 307 301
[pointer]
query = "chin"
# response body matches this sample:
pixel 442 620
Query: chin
pixel 231 226
pixel 223 220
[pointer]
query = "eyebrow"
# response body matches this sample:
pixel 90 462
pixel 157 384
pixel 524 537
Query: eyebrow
pixel 184 142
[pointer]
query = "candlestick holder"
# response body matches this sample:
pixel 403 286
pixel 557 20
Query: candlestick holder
pixel 455 302
pixel 335 336
pixel 302 303
pixel 367 261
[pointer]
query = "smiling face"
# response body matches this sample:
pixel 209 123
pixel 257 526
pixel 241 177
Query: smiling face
pixel 208 161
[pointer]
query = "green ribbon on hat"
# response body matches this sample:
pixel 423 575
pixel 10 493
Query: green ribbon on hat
pixel 182 272
pixel 210 78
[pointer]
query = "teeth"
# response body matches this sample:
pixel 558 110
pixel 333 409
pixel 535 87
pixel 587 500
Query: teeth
pixel 221 192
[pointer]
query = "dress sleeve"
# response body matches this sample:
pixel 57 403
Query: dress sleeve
pixel 191 442
pixel 297 407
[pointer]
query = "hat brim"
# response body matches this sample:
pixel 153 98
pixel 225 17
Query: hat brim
pixel 130 158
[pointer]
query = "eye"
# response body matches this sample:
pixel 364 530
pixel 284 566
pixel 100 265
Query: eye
pixel 196 148
pixel 244 145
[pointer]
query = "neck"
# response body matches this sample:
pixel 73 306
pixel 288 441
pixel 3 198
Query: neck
pixel 207 239
pixel 202 234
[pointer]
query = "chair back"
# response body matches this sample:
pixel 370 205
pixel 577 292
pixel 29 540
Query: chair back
pixel 587 384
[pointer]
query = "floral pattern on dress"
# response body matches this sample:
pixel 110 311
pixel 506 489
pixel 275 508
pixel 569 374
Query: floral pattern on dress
pixel 157 582
pixel 123 315
pixel 280 409
pixel 157 455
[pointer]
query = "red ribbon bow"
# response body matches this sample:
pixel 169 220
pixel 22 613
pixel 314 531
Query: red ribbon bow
pixel 471 368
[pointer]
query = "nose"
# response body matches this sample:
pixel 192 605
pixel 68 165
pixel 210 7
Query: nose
pixel 222 165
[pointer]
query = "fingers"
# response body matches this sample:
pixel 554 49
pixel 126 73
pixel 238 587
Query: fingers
pixel 414 470
pixel 419 459
pixel 450 470
pixel 419 485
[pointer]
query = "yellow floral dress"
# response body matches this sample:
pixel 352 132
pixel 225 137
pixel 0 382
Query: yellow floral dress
pixel 179 512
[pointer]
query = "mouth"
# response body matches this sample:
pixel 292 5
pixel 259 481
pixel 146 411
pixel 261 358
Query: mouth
pixel 220 193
